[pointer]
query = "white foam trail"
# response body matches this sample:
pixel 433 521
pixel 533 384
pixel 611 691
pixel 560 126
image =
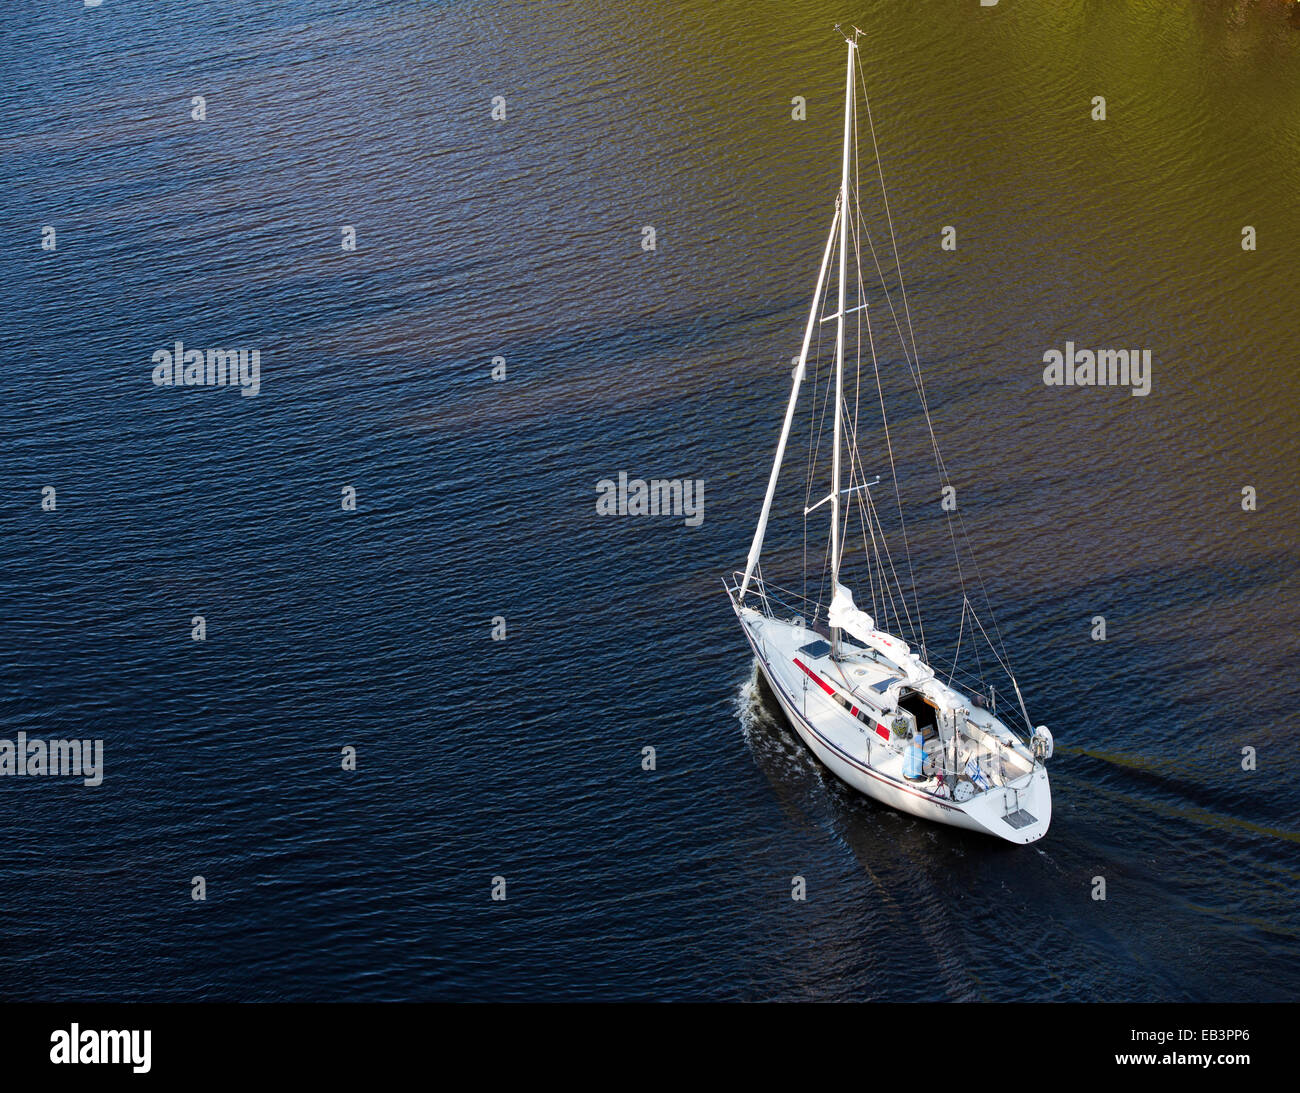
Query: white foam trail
pixel 750 711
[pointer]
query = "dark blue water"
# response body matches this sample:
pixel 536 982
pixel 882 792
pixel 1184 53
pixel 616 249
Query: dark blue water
pixel 522 758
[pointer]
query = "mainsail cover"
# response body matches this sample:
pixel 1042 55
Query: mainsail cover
pixel 845 616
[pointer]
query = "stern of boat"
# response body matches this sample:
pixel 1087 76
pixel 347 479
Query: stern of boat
pixel 1019 812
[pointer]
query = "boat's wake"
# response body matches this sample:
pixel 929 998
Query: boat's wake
pixel 775 746
pixel 754 709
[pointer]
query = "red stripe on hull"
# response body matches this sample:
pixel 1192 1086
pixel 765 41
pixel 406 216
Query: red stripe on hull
pixel 815 677
pixel 880 729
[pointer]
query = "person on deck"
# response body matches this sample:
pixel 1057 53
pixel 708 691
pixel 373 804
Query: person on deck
pixel 914 759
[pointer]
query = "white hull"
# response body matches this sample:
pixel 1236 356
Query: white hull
pixel 874 768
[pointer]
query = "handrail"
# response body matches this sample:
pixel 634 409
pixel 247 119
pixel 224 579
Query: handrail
pixel 771 592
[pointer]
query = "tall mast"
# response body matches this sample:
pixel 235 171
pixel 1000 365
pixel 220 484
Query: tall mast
pixel 799 372
pixel 839 341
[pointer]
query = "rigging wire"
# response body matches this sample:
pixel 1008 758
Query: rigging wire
pixel 855 459
pixel 914 369
pixel 961 629
pixel 916 627
pixel 817 428
pixel 857 249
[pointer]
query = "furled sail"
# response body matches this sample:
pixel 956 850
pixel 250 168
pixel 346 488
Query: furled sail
pixel 845 615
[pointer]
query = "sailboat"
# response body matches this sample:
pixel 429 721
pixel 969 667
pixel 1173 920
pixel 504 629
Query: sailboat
pixel 895 723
